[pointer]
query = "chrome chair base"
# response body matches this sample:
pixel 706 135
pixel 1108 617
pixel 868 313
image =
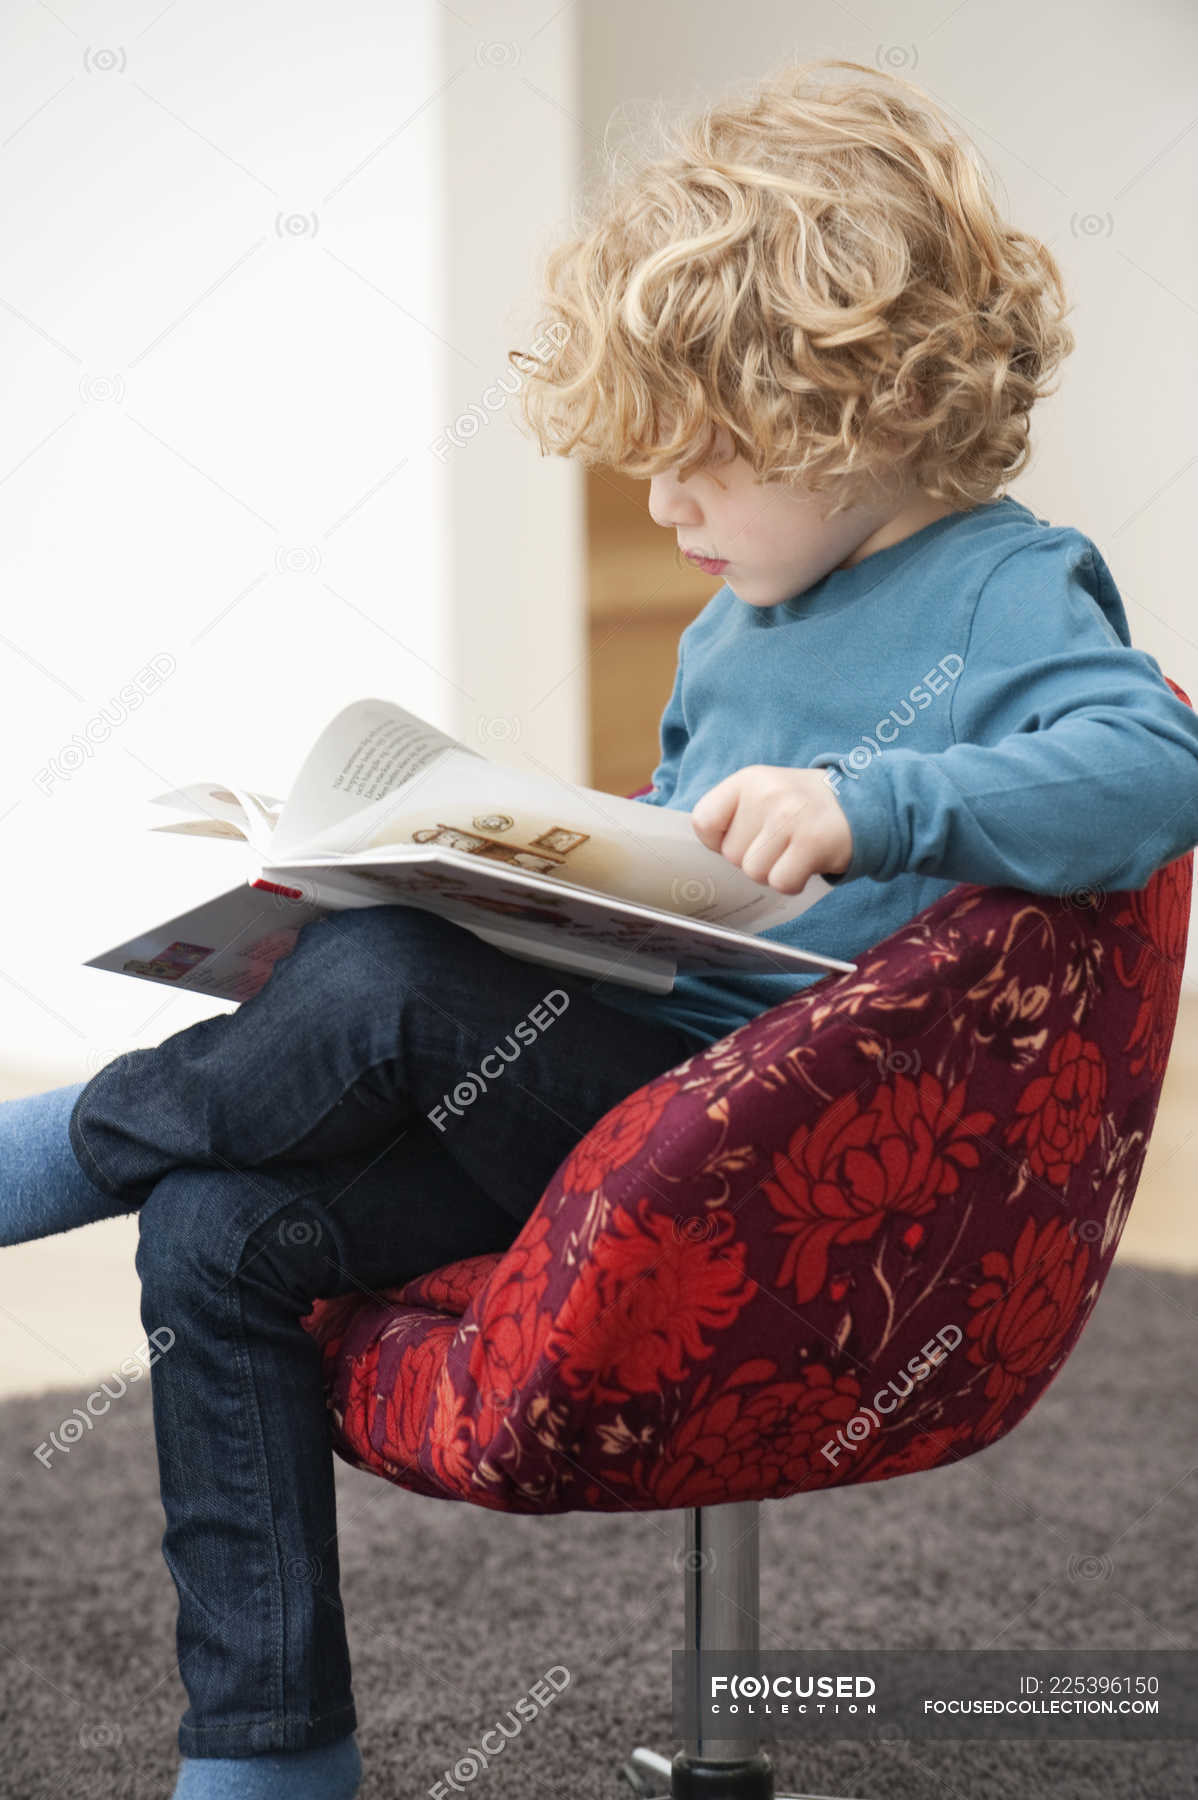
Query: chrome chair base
pixel 654 1777
pixel 721 1598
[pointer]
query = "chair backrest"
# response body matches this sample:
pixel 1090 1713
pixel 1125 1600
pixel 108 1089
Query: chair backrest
pixel 857 1237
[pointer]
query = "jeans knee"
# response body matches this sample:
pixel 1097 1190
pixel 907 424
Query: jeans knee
pixel 204 1230
pixel 364 944
pixel 183 1238
pixel 294 1253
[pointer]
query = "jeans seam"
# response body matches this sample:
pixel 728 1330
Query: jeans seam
pixel 280 1673
pixel 284 1719
pixel 196 1735
pixel 231 1303
pixel 231 1296
pixel 84 1157
pixel 279 1670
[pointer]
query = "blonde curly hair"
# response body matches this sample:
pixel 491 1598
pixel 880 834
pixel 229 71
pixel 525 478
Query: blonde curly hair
pixel 817 269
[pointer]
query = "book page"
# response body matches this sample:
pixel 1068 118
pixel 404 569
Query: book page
pixel 370 749
pixel 226 947
pixel 380 780
pixel 576 835
pixel 474 891
pixel 219 809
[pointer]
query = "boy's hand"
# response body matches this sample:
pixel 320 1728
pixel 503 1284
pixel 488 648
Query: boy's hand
pixel 780 826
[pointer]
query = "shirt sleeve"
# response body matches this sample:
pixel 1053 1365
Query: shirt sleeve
pixel 674 736
pixel 1073 764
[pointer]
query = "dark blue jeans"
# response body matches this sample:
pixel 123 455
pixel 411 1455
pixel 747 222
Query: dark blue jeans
pixel 285 1152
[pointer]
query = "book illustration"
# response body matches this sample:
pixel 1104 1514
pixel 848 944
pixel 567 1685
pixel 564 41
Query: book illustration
pixel 275 944
pixel 454 838
pixel 436 881
pixel 169 964
pixel 176 960
pixel 609 852
pixel 558 841
pixel 442 880
pixel 226 947
pixel 559 838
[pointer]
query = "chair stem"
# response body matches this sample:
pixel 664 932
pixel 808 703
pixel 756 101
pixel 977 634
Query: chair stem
pixel 721 1581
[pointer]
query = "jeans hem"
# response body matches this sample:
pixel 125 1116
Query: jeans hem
pixel 259 1736
pixel 84 1157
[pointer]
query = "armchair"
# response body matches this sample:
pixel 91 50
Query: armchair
pixel 738 1257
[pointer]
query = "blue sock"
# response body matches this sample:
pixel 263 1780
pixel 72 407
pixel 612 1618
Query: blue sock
pixel 42 1187
pixel 330 1772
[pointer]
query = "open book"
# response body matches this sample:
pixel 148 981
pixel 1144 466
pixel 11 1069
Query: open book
pixel 388 808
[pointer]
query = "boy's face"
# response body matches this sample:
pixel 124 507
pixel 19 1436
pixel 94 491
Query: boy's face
pixel 772 541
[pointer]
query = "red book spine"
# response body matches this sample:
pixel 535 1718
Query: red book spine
pixel 272 887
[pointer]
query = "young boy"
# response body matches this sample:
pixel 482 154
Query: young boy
pixel 807 324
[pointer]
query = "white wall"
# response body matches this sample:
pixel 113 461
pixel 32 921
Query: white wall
pixel 257 265
pixel 1084 112
pixel 261 270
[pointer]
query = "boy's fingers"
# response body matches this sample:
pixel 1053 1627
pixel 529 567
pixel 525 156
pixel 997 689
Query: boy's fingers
pixel 751 834
pixel 762 851
pixel 792 871
pixel 714 813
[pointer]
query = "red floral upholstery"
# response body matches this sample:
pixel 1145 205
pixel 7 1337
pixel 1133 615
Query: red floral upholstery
pixel 732 1288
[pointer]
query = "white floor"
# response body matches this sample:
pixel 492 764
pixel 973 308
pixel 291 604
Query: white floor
pixel 69 1303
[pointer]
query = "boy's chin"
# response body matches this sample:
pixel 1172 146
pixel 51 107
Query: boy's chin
pixel 758 593
pixel 766 592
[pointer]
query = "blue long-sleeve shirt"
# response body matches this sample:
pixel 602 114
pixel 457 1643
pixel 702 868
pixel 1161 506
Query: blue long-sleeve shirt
pixel 975 691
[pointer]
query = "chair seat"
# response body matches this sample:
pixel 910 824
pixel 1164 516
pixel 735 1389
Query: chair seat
pixel 857 1237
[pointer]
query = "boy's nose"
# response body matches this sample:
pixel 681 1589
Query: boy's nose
pixel 670 504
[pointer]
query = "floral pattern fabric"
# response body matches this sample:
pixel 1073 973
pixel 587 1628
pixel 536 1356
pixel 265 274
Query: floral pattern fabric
pixel 857 1237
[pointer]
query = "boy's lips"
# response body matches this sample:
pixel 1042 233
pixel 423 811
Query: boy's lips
pixel 712 564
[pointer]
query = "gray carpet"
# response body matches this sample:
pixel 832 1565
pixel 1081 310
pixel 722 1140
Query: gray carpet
pixel 454 1611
